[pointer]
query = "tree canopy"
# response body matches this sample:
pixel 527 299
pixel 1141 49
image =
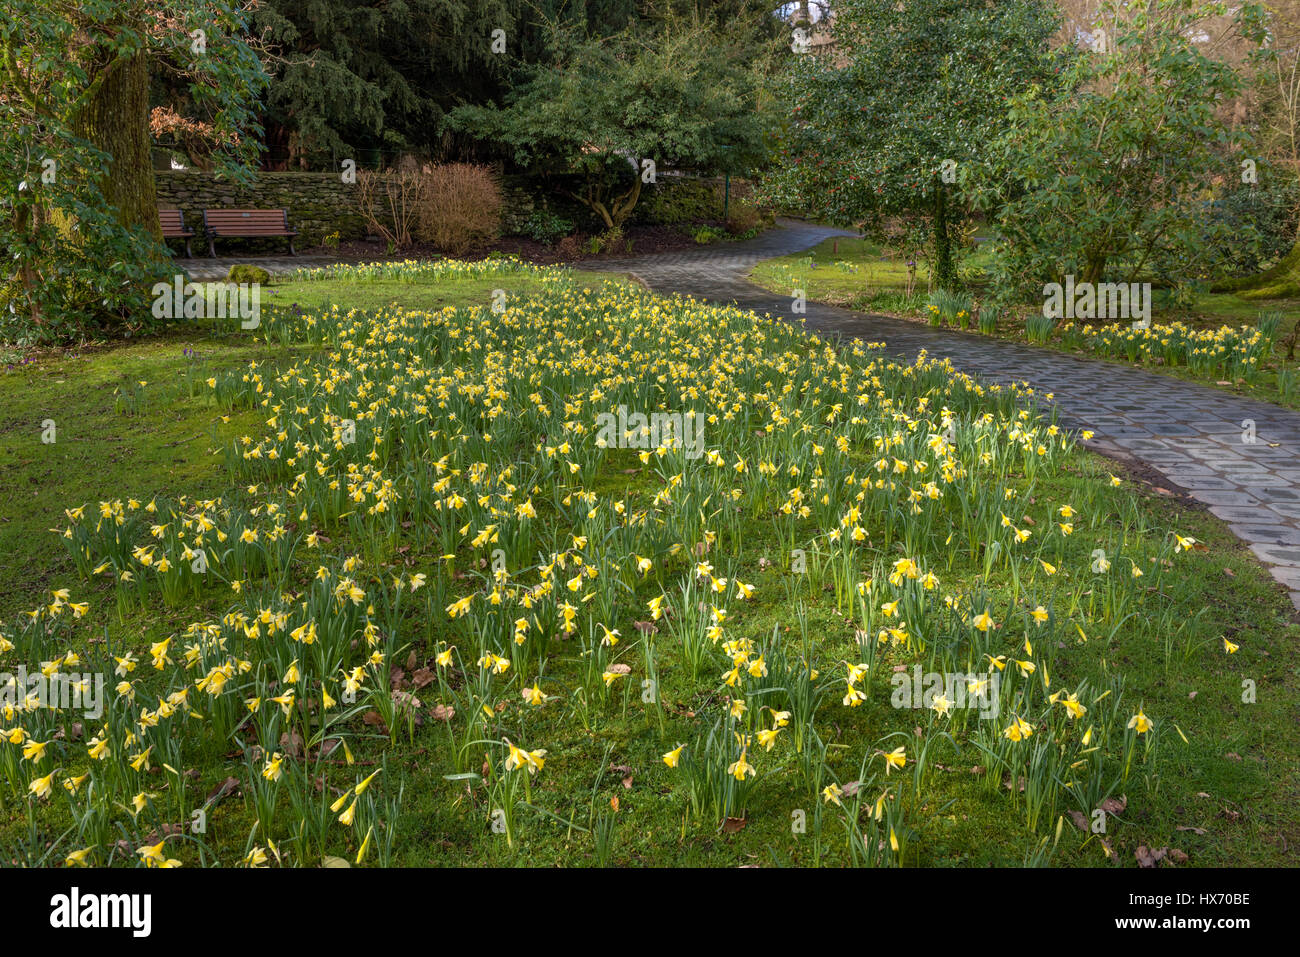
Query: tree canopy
pixel 605 107
pixel 898 118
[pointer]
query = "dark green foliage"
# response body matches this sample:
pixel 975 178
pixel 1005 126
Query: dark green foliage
pixel 355 79
pixel 921 92
pixel 1259 223
pixel 1134 200
pixel 546 226
pixel 676 201
pixel 611 111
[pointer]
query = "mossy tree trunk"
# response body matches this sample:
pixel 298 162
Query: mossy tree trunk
pixel 116 119
pixel 1280 280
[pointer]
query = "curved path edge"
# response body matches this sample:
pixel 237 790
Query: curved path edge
pixel 1192 435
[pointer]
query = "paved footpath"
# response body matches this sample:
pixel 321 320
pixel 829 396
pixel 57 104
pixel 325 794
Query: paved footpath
pixel 1191 434
pixel 206 269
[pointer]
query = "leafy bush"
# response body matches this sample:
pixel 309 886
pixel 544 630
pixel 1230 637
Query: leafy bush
pixel 677 200
pixel 1261 224
pixel 708 234
pixel 547 227
pixel 605 242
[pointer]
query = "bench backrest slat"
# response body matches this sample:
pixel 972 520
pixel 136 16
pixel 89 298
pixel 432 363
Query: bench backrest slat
pixel 247 222
pixel 172 221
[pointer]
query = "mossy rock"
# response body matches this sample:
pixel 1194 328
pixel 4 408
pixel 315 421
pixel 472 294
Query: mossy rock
pixel 250 274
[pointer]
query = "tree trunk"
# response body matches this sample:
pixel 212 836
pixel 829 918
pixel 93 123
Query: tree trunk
pixel 1093 267
pixel 623 205
pixel 116 119
pixel 945 273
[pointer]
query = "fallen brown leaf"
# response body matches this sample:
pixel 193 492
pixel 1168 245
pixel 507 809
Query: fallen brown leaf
pixel 222 791
pixel 291 743
pixel 1146 857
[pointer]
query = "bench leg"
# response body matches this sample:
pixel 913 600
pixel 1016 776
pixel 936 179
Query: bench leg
pixel 189 253
pixel 212 248
pixel 291 249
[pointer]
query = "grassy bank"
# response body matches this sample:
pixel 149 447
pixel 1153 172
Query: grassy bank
pixel 859 274
pixel 449 613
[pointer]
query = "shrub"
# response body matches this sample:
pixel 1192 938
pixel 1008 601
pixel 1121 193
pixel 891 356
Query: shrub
pixel 459 205
pixel 243 272
pixel 743 218
pixel 677 200
pixel 1261 220
pixel 708 234
pixel 388 203
pixel 546 226
pixel 452 206
pixel 568 247
pixel 605 242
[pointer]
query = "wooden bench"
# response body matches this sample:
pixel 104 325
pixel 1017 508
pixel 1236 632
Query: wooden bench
pixel 173 227
pixel 247 224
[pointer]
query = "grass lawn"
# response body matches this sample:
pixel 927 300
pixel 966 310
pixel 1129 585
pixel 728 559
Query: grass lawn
pixel 114 434
pixel 432 564
pixel 858 274
pixel 845 271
